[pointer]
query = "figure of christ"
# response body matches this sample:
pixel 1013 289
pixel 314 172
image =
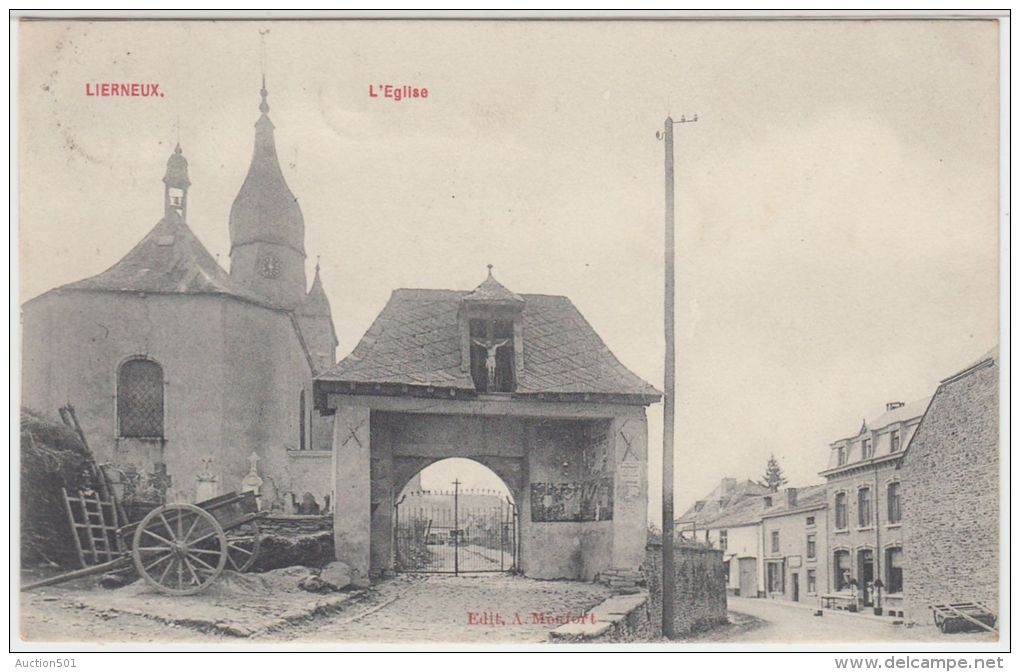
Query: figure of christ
pixel 490 357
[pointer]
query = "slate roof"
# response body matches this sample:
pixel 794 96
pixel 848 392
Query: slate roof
pixel 711 507
pixel 168 260
pixel 913 409
pixel 807 497
pixel 415 341
pixel 491 291
pixel 745 512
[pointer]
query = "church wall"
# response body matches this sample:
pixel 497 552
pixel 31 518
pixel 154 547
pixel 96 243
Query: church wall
pixel 232 371
pixel 266 369
pixel 73 344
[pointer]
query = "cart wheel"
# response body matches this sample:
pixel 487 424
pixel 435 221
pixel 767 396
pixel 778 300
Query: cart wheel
pixel 243 546
pixel 179 549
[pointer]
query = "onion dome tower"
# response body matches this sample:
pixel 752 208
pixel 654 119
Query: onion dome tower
pixel 267 230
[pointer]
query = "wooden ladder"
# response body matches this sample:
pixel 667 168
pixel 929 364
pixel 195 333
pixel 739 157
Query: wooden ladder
pixel 95 526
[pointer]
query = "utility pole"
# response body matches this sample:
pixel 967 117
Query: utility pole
pixel 669 394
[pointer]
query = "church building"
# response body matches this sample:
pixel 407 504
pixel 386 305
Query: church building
pixel 178 368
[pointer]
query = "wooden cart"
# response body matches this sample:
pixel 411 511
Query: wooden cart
pixel 181 549
pixel 961 616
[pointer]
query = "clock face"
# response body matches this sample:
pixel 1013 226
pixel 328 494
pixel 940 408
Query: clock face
pixel 269 266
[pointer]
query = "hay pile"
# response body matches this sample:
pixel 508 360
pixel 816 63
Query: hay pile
pixel 52 457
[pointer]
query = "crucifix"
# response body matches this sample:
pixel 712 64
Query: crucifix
pixel 490 345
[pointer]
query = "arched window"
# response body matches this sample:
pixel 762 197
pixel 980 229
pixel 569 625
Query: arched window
pixel 140 399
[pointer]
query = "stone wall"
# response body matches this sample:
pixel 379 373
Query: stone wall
pixel 700 591
pixel 951 497
pixel 621 618
pixel 284 525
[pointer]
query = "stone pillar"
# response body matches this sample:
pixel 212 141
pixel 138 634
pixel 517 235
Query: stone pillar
pixel 352 501
pixel 630 495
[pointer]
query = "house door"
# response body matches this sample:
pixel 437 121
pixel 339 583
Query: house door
pixel 748 577
pixel 795 586
pixel 866 564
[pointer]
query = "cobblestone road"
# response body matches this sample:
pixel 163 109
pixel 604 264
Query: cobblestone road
pixel 439 607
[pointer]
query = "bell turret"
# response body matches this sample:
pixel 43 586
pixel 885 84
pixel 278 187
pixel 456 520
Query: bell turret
pixel 176 183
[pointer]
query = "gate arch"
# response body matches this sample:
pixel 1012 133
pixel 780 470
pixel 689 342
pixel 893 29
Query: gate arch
pixel 456 515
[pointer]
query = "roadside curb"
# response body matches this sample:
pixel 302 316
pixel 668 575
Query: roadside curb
pixel 328 605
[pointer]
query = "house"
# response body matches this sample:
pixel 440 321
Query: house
pixel 794 537
pixel 181 370
pixel 737 531
pixel 729 491
pixel 865 504
pixel 951 489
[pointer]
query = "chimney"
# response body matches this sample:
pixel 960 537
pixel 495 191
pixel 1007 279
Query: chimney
pixel 699 505
pixel 728 486
pixel 893 405
pixel 791 497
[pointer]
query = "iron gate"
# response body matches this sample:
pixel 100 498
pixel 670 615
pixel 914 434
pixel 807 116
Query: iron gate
pixel 455 533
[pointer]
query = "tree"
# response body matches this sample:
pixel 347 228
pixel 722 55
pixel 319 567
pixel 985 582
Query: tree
pixel 773 478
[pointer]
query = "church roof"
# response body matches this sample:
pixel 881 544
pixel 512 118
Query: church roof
pixel 416 341
pixel 168 260
pixel 265 209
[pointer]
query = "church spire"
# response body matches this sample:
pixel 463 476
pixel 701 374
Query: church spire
pixel 316 302
pixel 267 229
pixel 265 209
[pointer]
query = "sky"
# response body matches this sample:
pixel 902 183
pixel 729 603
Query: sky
pixel 837 200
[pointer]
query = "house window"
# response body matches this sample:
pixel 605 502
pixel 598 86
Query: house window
pixel 723 539
pixel 140 399
pixel 492 355
pixel 768 501
pixel 894 441
pixel 864 507
pixel 867 450
pixel 775 541
pixel 774 577
pixel 810 521
pixel 841 455
pixel 812 547
pixel 894 570
pixel 812 582
pixel 841 519
pixel 841 566
pixel 893 501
